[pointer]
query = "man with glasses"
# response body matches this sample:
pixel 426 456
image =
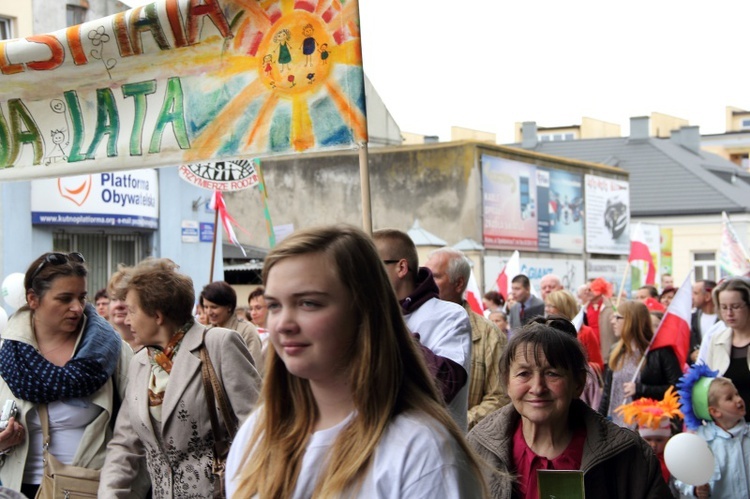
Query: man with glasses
pixel 443 328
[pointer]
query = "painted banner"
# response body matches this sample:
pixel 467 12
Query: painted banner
pixel 113 199
pixel 665 258
pixel 733 257
pixel 509 203
pixel 560 218
pixel 607 215
pixel 179 82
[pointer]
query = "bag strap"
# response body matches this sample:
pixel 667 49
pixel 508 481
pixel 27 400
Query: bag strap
pixel 41 409
pixel 215 392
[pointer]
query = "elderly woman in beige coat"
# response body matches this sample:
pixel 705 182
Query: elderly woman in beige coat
pixel 164 423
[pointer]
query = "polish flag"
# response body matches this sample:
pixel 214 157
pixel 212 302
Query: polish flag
pixel 639 252
pixel 512 269
pixel 217 203
pixel 674 330
pixel 472 295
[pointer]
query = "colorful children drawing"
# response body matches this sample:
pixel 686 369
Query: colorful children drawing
pixel 324 53
pixel 308 44
pixel 282 38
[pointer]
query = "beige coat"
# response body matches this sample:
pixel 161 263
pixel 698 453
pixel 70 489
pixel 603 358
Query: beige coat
pixel 249 333
pixel 719 351
pixel 91 450
pixel 179 454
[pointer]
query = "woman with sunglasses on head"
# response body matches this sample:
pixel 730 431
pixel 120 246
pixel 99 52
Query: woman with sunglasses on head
pixel 348 406
pixel 61 363
pixel 729 350
pixel 166 423
pixel 659 370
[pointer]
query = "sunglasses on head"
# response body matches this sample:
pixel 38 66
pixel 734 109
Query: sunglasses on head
pixel 57 259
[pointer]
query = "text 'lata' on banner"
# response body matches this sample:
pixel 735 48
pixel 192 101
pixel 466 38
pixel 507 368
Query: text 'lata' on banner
pixel 182 81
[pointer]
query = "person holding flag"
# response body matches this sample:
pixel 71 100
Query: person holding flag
pixel 637 367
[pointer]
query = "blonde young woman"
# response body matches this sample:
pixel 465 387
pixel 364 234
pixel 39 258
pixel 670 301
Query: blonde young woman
pixel 348 406
pixel 661 369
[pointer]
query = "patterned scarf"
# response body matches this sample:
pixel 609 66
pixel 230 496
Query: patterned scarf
pixel 161 367
pixel 32 377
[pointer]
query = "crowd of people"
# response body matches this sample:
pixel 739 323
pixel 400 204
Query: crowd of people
pixel 354 371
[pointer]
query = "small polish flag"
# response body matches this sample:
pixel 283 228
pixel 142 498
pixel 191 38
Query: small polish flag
pixel 473 296
pixel 512 269
pixel 639 252
pixel 674 330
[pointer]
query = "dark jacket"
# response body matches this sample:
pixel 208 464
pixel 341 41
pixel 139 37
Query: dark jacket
pixel 617 463
pixel 661 370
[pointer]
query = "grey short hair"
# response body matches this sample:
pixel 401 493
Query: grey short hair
pixel 458 265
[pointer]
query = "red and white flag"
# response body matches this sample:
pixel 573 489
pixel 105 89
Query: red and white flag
pixel 217 203
pixel 472 295
pixel 512 269
pixel 674 330
pixel 639 252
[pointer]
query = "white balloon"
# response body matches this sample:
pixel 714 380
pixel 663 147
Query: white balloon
pixel 689 459
pixel 3 319
pixel 14 293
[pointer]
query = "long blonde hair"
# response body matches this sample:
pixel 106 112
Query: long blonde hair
pixel 636 333
pixel 387 376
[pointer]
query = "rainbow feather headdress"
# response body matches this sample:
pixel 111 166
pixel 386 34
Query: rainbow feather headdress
pixel 693 389
pixel 652 416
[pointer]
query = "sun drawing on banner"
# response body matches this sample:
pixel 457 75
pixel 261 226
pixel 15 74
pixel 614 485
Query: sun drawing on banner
pixel 304 60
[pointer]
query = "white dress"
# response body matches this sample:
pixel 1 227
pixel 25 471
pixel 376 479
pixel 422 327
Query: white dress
pixel 416 458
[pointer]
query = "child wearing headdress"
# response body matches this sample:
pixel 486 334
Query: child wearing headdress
pixel 714 409
pixel 654 419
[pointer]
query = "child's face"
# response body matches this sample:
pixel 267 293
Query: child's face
pixel 730 406
pixel 657 443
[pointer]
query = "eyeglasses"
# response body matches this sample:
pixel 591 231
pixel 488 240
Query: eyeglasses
pixel 618 317
pixel 389 262
pixel 57 259
pixel 734 307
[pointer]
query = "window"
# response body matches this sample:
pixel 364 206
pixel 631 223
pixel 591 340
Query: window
pixel 5 29
pixel 75 14
pixel 745 124
pixel 704 265
pixel 103 253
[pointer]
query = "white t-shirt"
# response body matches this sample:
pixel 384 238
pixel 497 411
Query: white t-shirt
pixel 416 458
pixel 444 328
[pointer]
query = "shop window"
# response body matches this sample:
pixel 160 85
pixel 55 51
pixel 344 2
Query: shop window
pixel 103 253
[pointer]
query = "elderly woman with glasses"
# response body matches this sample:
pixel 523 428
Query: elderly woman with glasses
pixel 729 350
pixel 63 365
pixel 629 376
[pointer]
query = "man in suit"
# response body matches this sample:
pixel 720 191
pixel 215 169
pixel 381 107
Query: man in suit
pixel 526 306
pixel 704 316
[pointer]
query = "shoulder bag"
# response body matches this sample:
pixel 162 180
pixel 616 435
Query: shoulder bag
pixel 222 439
pixel 63 481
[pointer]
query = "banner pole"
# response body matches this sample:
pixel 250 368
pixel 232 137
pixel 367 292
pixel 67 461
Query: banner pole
pixel 213 246
pixel 364 180
pixel 622 285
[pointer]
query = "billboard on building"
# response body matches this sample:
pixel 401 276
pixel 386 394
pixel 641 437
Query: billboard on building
pixel 509 202
pixel 607 215
pixel 127 199
pixel 570 271
pixel 560 198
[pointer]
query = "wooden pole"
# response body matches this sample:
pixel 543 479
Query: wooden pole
pixel 213 246
pixel 364 180
pixel 622 285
